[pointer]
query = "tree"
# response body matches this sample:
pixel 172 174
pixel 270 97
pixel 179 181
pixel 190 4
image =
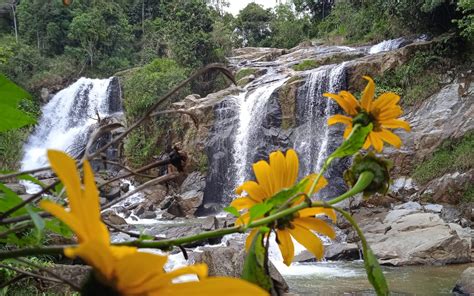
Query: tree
pixel 287 29
pixel 253 23
pixel 318 9
pixel 103 33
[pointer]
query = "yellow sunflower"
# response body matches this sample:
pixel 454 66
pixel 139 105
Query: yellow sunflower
pixel 383 112
pixel 281 173
pixel 124 269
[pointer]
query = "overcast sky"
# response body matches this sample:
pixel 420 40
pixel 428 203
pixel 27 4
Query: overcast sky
pixel 237 5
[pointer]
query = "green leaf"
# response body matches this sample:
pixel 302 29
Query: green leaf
pixel 32 179
pixel 353 143
pixel 12 118
pixel 374 272
pixel 9 200
pixel 37 221
pixel 283 196
pixel 259 210
pixel 10 93
pixel 57 226
pixel 255 265
pixel 233 211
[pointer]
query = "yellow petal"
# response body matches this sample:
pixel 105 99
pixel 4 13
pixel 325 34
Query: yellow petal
pixel 368 94
pixel 390 113
pixel 292 166
pixel 134 271
pixel 317 225
pixel 278 167
pixel 376 141
pixel 249 240
pixel 286 246
pixel 395 123
pixel 243 220
pixel 66 170
pixel 96 254
pixel 242 203
pixel 346 106
pixel 340 119
pixel 254 190
pixel 121 251
pixel 264 176
pixel 322 182
pixel 95 228
pixel 309 240
pixel 386 100
pixel 163 282
pixel 310 212
pixel 390 138
pixel 212 286
pixel 351 100
pixel 69 219
pixel 347 131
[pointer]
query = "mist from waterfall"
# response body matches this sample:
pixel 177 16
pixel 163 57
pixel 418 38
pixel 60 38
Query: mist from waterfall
pixel 67 118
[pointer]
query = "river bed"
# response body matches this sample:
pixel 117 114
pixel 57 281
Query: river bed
pixel 349 278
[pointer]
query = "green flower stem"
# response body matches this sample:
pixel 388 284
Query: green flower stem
pixel 364 180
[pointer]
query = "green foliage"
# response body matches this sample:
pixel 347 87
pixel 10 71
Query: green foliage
pixel 453 155
pixel 288 30
pixel 306 65
pixel 466 22
pixel 244 73
pixel 10 97
pixel 415 80
pixel 256 264
pixel 353 23
pixel 468 195
pixel 253 24
pixel 142 88
pixel 11 143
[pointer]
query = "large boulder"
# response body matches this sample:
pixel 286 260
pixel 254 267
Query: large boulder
pixel 229 261
pixel 465 284
pixel 17 188
pixel 408 236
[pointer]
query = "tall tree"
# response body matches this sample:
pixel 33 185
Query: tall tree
pixel 253 23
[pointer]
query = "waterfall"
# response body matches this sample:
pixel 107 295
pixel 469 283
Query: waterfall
pixel 251 114
pixel 388 45
pixel 314 139
pixel 66 119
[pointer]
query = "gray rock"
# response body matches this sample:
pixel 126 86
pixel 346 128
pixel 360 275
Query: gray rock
pixel 111 217
pixel 195 181
pixel 433 208
pixel 229 261
pixel 148 215
pixel 465 284
pixel 156 194
pixel 17 188
pixel 335 251
pixel 125 187
pixel 190 201
pixel 166 203
pixel 411 205
pixel 113 193
pixel 449 188
pixel 418 238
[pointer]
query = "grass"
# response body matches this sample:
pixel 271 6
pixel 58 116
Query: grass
pixel 306 65
pixel 468 194
pixel 414 81
pixel 452 156
pixel 244 73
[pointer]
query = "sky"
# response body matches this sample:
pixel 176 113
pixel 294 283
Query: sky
pixel 237 5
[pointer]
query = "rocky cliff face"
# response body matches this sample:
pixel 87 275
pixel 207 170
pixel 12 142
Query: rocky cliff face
pixel 283 117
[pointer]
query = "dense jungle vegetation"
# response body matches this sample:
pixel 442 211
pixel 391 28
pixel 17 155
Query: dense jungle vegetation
pixel 47 44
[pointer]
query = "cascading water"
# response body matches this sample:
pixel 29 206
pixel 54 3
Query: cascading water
pixel 388 45
pixel 314 139
pixel 251 115
pixel 68 117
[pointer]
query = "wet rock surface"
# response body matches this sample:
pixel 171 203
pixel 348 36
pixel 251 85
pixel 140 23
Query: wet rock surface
pixel 465 284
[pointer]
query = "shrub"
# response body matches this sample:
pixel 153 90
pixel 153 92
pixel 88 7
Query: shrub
pixel 450 157
pixel 306 65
